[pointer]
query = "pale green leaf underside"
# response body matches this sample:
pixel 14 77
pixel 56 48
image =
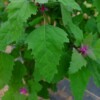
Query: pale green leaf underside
pixel 46 43
pixel 77 62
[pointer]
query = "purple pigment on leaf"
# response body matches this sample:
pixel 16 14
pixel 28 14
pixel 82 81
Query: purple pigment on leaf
pixel 83 50
pixel 23 91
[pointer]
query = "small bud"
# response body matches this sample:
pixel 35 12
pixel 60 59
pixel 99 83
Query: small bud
pixel 85 16
pixel 43 8
pixel 23 91
pixel 83 50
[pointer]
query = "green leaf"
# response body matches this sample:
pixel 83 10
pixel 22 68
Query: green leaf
pixel 34 89
pixel 77 19
pixel 16 83
pixel 44 93
pixel 70 4
pixel 10 32
pixel 66 16
pixel 95 70
pixel 77 62
pixel 96 49
pixel 12 95
pixel 18 13
pixel 21 9
pixel 67 21
pixel 91 25
pixel 46 43
pixel 79 83
pixel 97 4
pixel 41 1
pixel 6 67
pixel 88 40
pixel 77 32
pixel 63 66
pixel 18 74
pixel 98 22
pixel 36 21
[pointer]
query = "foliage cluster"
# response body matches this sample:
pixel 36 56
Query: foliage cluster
pixel 49 40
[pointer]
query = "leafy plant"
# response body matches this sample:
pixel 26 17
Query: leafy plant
pixel 43 41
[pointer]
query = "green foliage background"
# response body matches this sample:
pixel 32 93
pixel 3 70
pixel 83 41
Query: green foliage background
pixel 45 37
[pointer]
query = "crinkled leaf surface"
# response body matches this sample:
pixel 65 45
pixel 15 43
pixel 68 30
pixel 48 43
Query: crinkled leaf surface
pixel 46 43
pixel 18 13
pixel 21 9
